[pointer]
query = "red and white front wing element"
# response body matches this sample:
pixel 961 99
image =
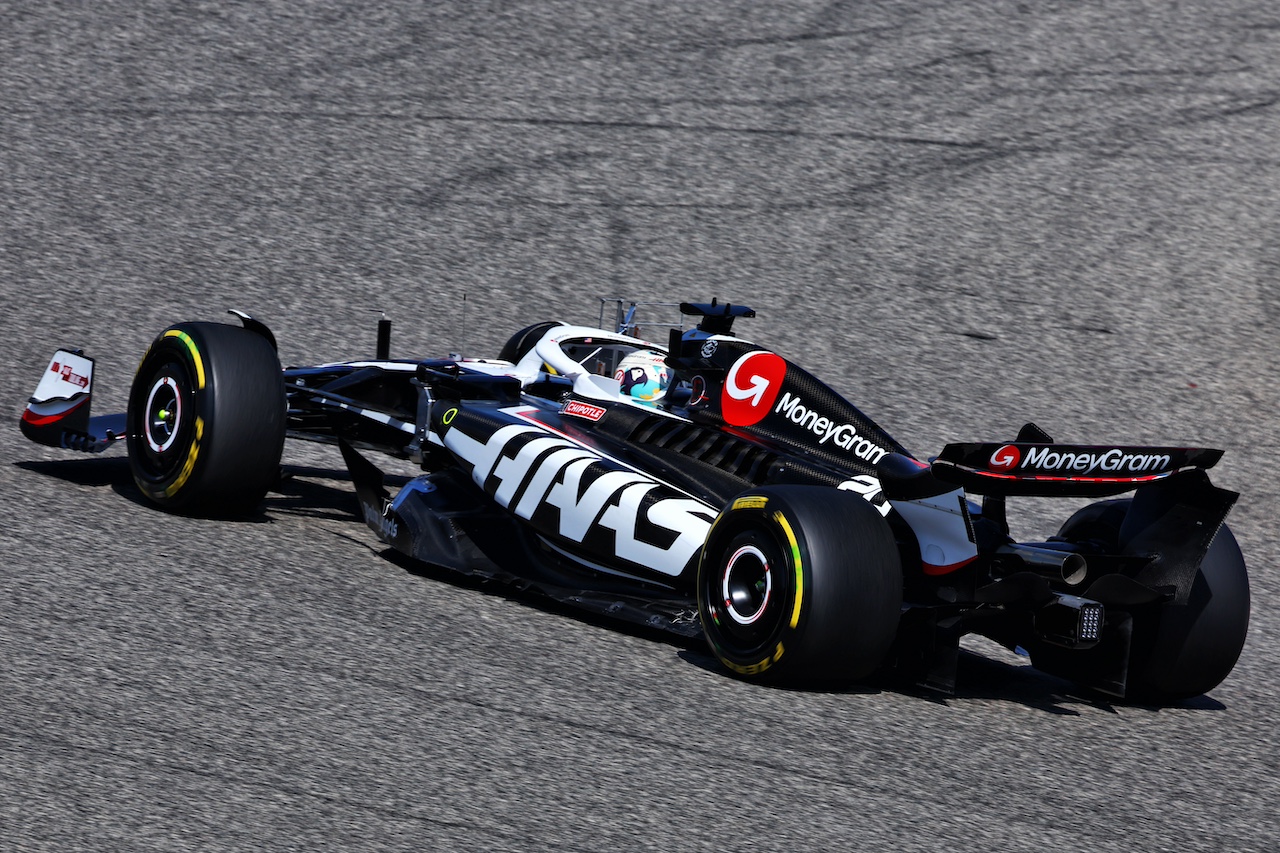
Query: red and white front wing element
pixel 62 397
pixel 57 414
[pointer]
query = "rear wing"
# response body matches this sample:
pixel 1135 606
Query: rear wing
pixel 57 414
pixel 1051 470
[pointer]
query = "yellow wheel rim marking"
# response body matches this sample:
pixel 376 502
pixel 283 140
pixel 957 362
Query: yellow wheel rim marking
pixel 186 341
pixel 795 559
pixel 190 464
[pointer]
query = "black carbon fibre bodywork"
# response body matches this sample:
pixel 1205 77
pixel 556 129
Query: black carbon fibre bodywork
pixel 798 412
pixel 744 417
pixel 539 473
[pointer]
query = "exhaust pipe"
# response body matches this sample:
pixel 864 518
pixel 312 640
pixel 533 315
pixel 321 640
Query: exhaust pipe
pixel 1066 566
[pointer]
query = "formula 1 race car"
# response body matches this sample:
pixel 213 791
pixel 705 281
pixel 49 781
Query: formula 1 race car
pixel 705 485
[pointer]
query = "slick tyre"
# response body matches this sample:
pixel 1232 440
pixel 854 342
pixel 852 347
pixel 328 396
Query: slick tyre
pixel 799 585
pixel 1185 650
pixel 519 344
pixel 206 419
pixel 1179 651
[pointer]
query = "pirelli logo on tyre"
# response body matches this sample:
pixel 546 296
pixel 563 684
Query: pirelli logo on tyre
pixel 750 502
pixel 760 666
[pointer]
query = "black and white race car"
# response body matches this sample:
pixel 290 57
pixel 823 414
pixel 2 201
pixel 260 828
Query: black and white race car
pixel 705 485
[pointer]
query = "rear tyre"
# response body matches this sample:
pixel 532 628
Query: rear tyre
pixel 1185 650
pixel 519 344
pixel 1179 651
pixel 800 584
pixel 206 419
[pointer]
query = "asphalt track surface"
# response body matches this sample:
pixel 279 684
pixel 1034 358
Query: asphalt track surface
pixel 966 214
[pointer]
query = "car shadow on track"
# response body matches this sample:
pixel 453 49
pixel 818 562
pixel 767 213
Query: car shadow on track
pixel 978 678
pixel 326 493
pixel 94 472
pixel 517 592
pixel 322 493
pixel 986 679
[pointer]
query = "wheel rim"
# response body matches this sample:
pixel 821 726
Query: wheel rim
pixel 747 585
pixel 163 416
pixel 746 594
pixel 163 422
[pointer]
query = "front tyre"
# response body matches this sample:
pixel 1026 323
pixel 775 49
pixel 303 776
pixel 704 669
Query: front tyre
pixel 206 419
pixel 800 584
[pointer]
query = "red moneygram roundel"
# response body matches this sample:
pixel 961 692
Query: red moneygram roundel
pixel 1005 459
pixel 751 387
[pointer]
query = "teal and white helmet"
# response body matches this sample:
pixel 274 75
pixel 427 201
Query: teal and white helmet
pixel 644 375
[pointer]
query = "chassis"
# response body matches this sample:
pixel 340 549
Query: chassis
pixel 752 504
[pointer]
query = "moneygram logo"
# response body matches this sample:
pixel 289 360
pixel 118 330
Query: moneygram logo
pixel 1087 461
pixel 1005 459
pixel 842 435
pixel 1078 461
pixel 751 387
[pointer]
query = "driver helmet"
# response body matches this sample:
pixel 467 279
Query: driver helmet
pixel 644 375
